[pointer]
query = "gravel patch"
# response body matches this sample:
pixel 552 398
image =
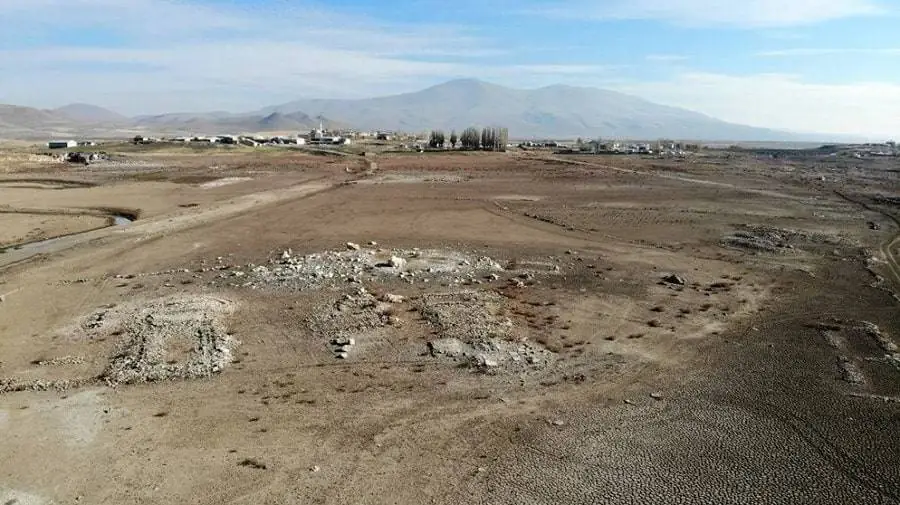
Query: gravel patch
pixel 472 333
pixel 179 337
pixel 359 264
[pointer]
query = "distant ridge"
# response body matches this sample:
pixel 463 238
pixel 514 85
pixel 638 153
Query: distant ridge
pixel 86 113
pixel 550 112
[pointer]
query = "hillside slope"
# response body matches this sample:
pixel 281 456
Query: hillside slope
pixel 554 111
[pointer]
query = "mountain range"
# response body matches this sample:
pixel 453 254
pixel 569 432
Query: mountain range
pixel 550 112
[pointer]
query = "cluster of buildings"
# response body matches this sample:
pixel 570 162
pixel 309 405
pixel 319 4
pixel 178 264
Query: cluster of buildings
pixel 660 147
pixel 887 149
pixel 316 136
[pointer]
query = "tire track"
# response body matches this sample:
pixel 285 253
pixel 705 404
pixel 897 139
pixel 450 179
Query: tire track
pixel 887 247
pixel 820 443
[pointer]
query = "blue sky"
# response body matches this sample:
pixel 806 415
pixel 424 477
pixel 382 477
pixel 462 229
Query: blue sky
pixel 830 66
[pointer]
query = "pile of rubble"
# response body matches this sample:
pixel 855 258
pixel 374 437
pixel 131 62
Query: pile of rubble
pixel 86 158
pixel 353 317
pixel 891 350
pixel 358 264
pixel 768 239
pixel 759 239
pixel 467 321
pixel 472 332
pixel 15 385
pixel 179 337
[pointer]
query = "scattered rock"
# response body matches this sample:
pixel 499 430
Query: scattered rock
pixel 656 396
pixel 331 268
pixel 342 341
pixel 674 279
pixel 486 361
pixel 253 463
pixel 353 247
pixel 389 298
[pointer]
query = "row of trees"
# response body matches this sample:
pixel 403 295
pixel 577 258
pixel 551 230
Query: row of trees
pixel 489 139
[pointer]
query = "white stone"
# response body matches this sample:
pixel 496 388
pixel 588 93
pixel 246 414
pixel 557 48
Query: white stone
pixel 352 246
pixel 391 298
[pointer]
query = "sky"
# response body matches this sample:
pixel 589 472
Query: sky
pixel 818 66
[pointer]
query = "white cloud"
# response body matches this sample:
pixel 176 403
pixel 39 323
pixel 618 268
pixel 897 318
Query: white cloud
pixel 175 23
pixel 134 18
pixel 187 54
pixel 176 55
pixel 591 70
pixel 665 57
pixel 240 76
pixel 811 51
pixel 784 102
pixel 718 13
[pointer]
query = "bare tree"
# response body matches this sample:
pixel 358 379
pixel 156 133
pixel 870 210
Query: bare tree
pixel 503 139
pixel 469 138
pixel 436 140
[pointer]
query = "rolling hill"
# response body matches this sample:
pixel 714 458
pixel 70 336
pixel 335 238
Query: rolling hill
pixel 90 114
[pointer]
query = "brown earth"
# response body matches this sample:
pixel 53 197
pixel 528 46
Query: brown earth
pixel 157 362
pixel 20 228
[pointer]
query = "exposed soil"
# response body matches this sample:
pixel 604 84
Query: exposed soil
pixel 22 228
pixel 460 328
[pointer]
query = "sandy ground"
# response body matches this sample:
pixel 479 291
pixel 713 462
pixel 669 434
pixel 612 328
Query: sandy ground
pixel 486 328
pixel 21 228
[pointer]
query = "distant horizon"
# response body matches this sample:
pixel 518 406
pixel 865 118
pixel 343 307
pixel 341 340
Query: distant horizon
pixel 873 137
pixel 827 137
pixel 826 66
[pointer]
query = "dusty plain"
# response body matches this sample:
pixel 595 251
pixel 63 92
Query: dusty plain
pixel 292 327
